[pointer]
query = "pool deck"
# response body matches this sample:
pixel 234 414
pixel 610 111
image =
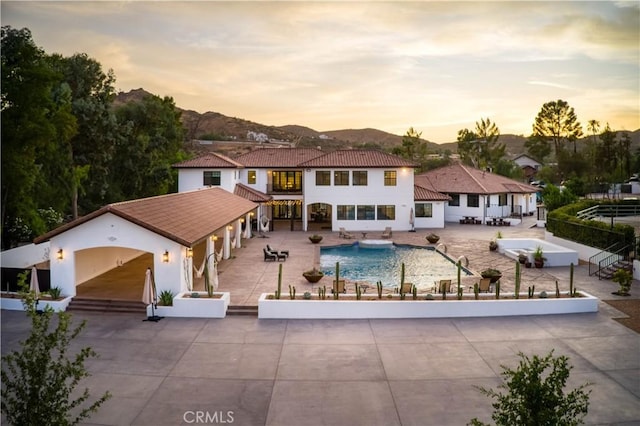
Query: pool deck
pixel 345 372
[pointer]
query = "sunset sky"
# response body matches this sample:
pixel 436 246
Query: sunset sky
pixel 436 66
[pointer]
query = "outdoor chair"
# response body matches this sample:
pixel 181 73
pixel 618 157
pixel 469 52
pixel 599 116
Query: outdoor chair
pixel 345 234
pixel 269 256
pixel 484 285
pixel 444 286
pixel 278 252
pixel 387 232
pixel 339 286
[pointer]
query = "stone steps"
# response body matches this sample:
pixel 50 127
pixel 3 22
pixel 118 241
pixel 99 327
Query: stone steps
pixel 242 310
pixel 105 305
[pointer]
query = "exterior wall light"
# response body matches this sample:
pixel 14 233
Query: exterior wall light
pixel 165 256
pixel 189 252
pixel 60 254
pixel 214 238
pixel 230 228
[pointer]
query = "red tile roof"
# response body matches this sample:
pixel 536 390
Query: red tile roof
pixel 209 161
pixel 184 217
pixel 421 193
pixel 251 194
pixel 278 157
pixel 358 158
pixel 460 179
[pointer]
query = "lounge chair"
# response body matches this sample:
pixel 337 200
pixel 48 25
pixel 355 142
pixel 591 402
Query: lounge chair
pixel 484 285
pixel 284 252
pixel 339 286
pixel 271 255
pixel 444 286
pixel 345 234
pixel 387 232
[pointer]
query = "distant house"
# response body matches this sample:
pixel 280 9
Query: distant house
pixel 528 165
pixel 479 194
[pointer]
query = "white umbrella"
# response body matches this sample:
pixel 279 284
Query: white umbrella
pixel 33 285
pixel 147 294
pixel 411 218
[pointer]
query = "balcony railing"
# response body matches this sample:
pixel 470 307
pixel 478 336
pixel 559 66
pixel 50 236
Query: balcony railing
pixel 282 189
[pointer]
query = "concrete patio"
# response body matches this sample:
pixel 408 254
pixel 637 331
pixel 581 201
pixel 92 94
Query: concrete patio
pixel 346 372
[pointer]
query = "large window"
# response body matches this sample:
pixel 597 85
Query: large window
pixel 473 200
pixel 211 178
pixel 366 212
pixel 424 210
pixel 359 178
pixel 346 212
pixel 386 212
pixel 323 178
pixel 251 177
pixel 287 181
pixel 390 178
pixel 341 178
pixel 502 199
pixel 455 199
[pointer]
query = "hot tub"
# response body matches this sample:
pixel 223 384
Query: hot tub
pixel 554 254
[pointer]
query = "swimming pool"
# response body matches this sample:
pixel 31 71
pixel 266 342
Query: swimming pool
pixel 423 265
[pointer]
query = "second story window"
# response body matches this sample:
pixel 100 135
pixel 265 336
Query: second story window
pixel 323 177
pixel 341 178
pixel 390 178
pixel 359 178
pixel 211 178
pixel 251 177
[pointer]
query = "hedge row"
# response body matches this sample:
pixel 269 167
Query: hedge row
pixel 563 223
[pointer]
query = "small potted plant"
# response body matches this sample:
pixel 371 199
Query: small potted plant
pixel 493 274
pixel 313 275
pixel 623 278
pixel 538 257
pixel 493 245
pixel 433 238
pixel 522 258
pixel 315 238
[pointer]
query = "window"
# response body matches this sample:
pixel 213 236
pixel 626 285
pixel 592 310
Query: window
pixel 251 177
pixel 502 199
pixel 341 178
pixel 455 199
pixel 346 212
pixel 287 181
pixel 211 178
pixel 390 178
pixel 359 178
pixel 323 177
pixel 366 212
pixel 473 200
pixel 424 210
pixel 386 212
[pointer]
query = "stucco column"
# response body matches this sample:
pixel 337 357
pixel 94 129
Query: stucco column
pixel 238 233
pixel 305 222
pixel 226 248
pixel 247 220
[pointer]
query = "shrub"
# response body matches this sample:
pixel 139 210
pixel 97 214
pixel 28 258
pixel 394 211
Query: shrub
pixel 535 396
pixel 38 381
pixel 166 298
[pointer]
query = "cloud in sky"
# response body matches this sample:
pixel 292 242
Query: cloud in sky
pixel 436 66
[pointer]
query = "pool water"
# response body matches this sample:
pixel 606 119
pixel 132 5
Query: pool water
pixel 423 265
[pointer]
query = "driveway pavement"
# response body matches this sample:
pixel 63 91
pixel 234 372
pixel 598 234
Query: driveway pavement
pixel 245 371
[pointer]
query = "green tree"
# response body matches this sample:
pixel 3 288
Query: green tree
pixel 38 382
pixel 413 148
pixel 553 197
pixel 557 122
pixel 480 148
pixel 535 396
pixel 152 143
pixel 606 153
pixel 30 121
pixel 538 147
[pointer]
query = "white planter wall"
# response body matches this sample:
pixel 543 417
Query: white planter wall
pixel 362 309
pixel 194 307
pixel 16 304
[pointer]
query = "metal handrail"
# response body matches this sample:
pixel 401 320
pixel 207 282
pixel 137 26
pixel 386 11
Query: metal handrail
pixel 619 255
pixel 597 258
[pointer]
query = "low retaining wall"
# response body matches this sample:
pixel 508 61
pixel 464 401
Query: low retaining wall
pixel 16 304
pixel 349 308
pixel 194 307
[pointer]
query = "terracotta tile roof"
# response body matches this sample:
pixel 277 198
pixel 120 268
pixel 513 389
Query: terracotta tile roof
pixel 251 194
pixel 421 193
pixel 211 160
pixel 184 217
pixel 278 157
pixel 460 179
pixel 355 158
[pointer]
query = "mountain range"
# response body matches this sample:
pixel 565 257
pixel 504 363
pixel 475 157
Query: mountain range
pixel 219 127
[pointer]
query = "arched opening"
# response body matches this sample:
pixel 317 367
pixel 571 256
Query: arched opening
pixel 319 216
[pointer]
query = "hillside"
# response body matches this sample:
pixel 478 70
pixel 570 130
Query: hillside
pixel 217 126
